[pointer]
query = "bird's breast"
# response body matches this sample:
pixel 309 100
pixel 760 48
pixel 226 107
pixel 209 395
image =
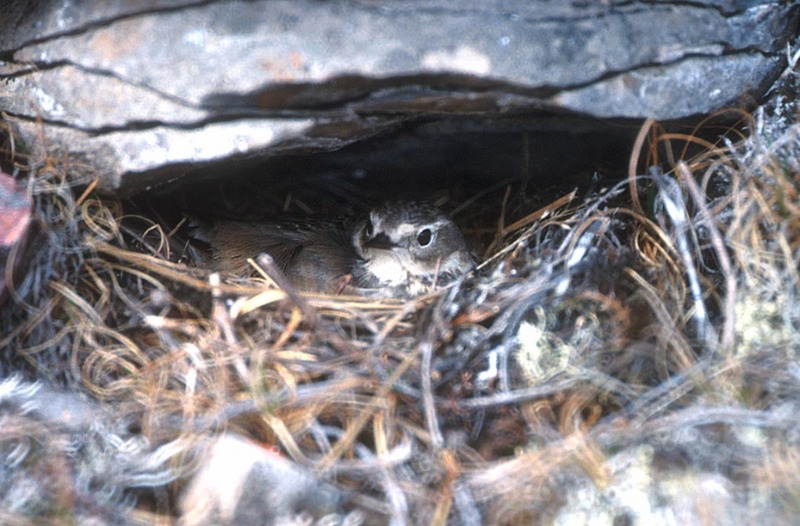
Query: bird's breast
pixel 386 268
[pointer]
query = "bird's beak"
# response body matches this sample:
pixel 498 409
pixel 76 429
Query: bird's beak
pixel 380 241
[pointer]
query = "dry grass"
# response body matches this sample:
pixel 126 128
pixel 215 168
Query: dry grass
pixel 604 340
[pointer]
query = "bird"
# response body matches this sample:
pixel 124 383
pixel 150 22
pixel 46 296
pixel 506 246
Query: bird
pixel 399 249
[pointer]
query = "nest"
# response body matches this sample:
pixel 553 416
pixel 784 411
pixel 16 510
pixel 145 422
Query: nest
pixel 611 346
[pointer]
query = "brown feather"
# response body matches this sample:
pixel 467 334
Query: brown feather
pixel 315 256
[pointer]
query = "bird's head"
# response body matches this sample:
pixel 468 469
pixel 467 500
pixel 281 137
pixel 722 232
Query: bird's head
pixel 407 241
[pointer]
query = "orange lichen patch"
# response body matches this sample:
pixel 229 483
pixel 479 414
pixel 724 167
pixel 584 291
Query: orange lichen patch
pixel 289 69
pixel 113 45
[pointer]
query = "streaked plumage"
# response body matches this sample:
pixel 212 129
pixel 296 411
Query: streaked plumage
pixel 399 250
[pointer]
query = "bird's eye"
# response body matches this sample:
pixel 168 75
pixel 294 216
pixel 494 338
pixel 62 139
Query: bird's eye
pixel 369 230
pixel 424 237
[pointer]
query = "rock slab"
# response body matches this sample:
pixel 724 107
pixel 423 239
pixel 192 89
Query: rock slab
pixel 145 90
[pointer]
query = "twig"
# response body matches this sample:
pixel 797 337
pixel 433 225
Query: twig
pixel 525 221
pixel 540 391
pixel 310 315
pixel 729 327
pixel 222 318
pixel 671 197
pixel 437 440
pixel 355 427
pixel 267 263
pixel 633 161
